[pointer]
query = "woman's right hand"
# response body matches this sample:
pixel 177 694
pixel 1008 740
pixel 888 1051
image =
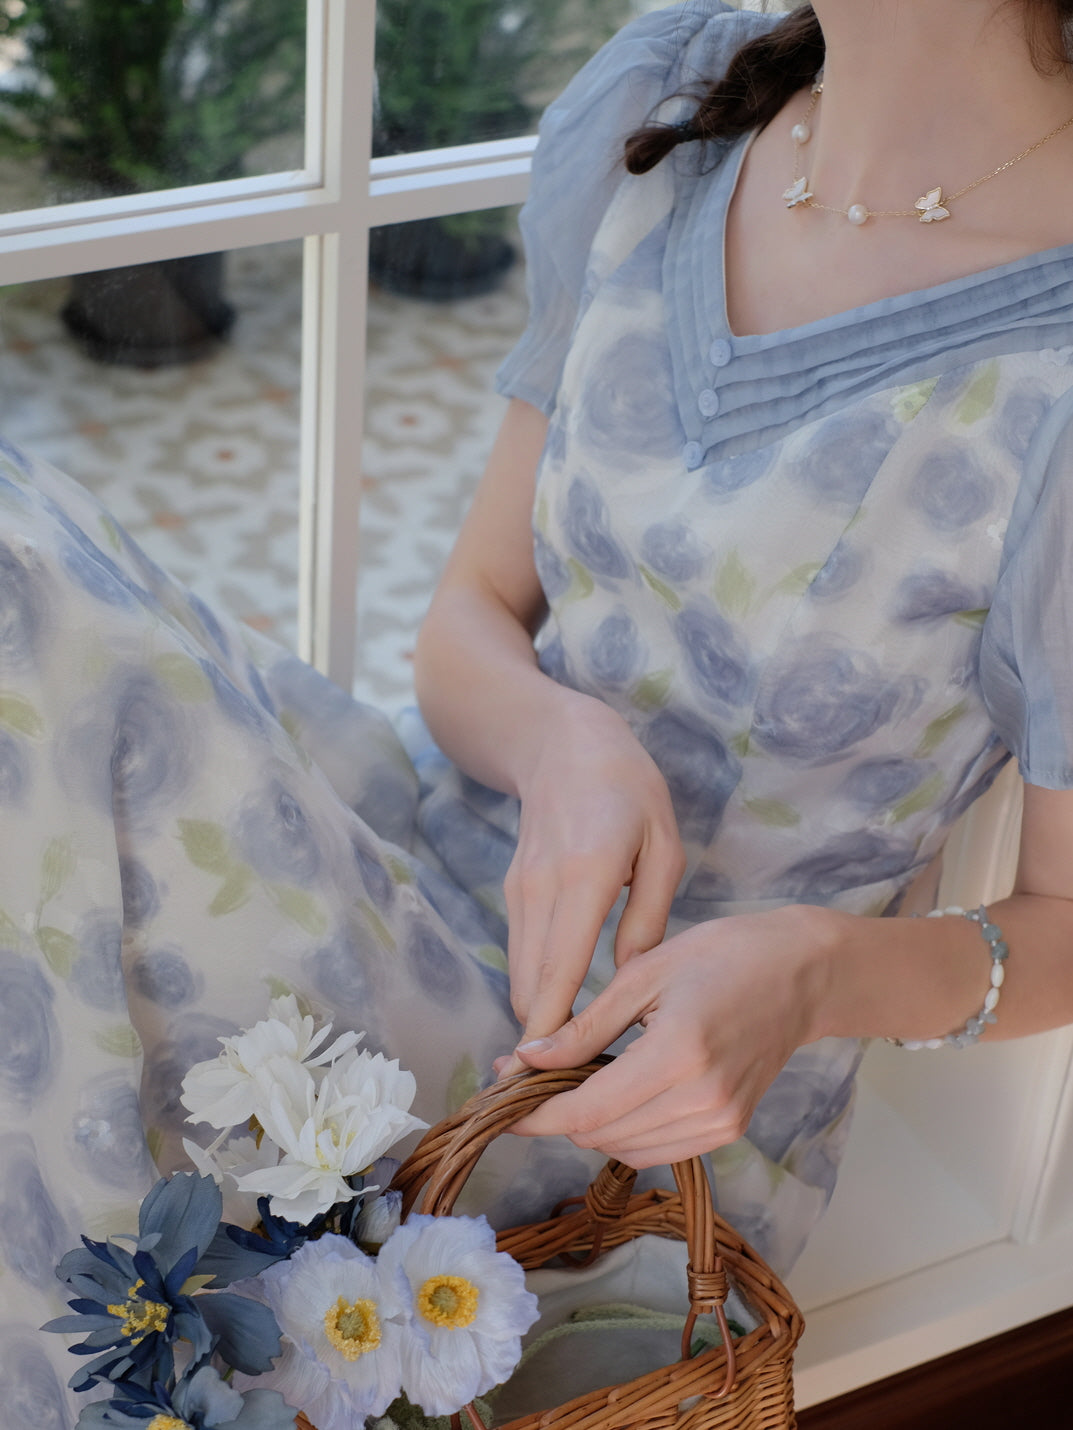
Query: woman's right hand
pixel 596 815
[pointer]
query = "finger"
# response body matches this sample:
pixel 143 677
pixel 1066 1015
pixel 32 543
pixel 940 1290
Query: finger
pixel 656 876
pixel 564 960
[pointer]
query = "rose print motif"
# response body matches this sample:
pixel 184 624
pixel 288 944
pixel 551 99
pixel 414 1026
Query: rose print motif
pixel 932 595
pixel 96 976
pixel 674 550
pixel 276 837
pixel 164 977
pixel 734 474
pixel 587 528
pixel 108 1132
pixel 29 1038
pixel 846 862
pixel 33 1392
pixel 700 772
pixel 878 784
pixel 1019 419
pixel 616 652
pixel 24 610
pixel 33 1236
pixel 821 699
pixel 629 401
pixel 951 490
pixel 715 657
pixel 14 774
pixel 844 455
pixel 839 573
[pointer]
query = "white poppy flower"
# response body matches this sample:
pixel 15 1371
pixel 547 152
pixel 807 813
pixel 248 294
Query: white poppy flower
pixel 220 1091
pixel 470 1309
pixel 328 1132
pixel 341 1332
pixel 225 1160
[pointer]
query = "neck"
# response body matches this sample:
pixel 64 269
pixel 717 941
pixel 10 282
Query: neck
pixel 897 115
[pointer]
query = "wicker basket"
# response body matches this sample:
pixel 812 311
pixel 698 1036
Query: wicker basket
pixel 743 1385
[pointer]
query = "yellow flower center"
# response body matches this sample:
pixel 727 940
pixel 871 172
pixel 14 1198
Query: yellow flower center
pixel 448 1301
pixel 140 1317
pixel 167 1422
pixel 353 1327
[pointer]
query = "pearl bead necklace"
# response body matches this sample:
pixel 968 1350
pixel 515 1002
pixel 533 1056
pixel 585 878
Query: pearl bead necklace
pixel 931 207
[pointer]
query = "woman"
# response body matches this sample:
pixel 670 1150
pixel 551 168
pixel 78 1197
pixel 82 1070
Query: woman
pixel 803 599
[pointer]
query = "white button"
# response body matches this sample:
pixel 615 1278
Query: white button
pixel 708 402
pixel 720 353
pixel 693 455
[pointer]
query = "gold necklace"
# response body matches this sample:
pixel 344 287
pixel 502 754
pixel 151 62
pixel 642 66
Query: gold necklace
pixel 931 207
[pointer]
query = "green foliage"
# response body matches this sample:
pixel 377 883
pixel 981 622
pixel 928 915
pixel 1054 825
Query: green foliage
pixel 456 71
pixel 127 95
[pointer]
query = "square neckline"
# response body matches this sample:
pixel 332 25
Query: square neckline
pixel 731 171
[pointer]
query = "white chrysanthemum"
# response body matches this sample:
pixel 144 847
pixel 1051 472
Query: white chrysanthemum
pixel 328 1132
pixel 470 1309
pixel 221 1090
pixel 225 1160
pixel 342 1335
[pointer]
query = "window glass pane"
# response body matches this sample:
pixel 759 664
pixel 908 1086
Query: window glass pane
pixel 106 97
pixel 430 420
pixel 454 73
pixel 196 456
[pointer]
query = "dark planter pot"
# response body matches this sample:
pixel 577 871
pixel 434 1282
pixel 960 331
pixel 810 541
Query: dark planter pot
pixel 423 259
pixel 151 314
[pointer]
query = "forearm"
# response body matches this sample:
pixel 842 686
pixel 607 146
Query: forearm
pixel 923 978
pixel 483 696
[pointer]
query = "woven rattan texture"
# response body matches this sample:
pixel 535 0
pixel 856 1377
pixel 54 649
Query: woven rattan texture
pixel 752 1389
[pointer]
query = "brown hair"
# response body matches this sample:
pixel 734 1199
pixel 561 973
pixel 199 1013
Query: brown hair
pixel 767 71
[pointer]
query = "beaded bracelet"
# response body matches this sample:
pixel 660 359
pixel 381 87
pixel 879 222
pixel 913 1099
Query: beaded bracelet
pixel 965 1037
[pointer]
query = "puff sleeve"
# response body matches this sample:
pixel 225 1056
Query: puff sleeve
pixel 1026 654
pixel 578 166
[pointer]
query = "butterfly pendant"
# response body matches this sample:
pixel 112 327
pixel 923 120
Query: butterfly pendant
pixel 797 193
pixel 931 207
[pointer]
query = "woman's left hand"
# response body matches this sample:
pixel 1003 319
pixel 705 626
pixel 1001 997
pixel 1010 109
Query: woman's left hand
pixel 723 1006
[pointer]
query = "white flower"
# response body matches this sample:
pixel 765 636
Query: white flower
pixel 342 1333
pixel 225 1160
pixel 328 1132
pixel 379 1219
pixel 221 1091
pixel 470 1309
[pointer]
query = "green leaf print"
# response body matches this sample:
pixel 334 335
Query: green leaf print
pixel 740 744
pixel 463 1083
pixel 973 619
pixel 121 1041
pixel 57 866
pixel 979 395
pixel 937 731
pixel 206 846
pixel 233 892
pixel 492 956
pixel 111 532
pixel 399 871
pixel 652 691
pixel 581 582
pixel 300 907
pixel 9 931
pixel 60 950
pixel 20 717
pixel 909 401
pixel 381 932
pixel 922 798
pixel 662 590
pixel 183 677
pixel 735 587
pixel 774 813
pixel 154 1140
pixel 797 581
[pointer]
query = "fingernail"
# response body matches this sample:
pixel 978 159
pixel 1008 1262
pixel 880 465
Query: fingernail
pixel 538 1045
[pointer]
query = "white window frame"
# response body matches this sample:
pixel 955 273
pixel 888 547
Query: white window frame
pixel 331 204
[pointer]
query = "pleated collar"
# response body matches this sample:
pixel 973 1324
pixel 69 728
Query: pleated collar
pixel 736 393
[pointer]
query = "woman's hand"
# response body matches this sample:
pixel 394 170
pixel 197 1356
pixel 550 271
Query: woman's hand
pixel 595 816
pixel 723 1006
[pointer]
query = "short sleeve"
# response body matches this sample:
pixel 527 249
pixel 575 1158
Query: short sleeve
pixel 1026 654
pixel 578 166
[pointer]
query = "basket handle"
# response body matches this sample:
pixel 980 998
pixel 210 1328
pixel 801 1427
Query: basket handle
pixel 441 1164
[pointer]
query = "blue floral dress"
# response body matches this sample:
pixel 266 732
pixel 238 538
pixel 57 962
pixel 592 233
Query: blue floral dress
pixel 820 573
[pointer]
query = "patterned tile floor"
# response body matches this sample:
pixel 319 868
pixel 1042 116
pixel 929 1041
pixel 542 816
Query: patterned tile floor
pixel 200 462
